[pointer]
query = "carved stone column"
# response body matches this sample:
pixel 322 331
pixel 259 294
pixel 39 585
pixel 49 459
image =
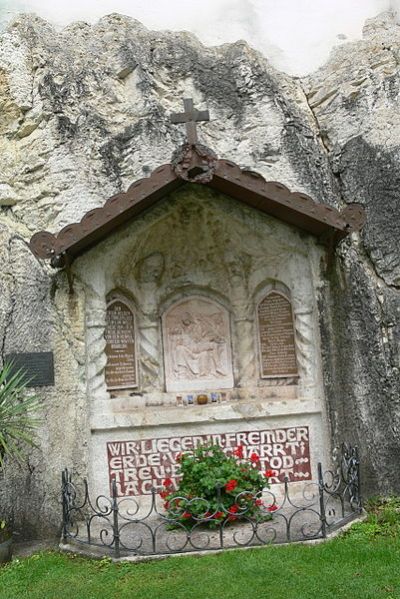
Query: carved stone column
pixel 243 318
pixel 96 343
pixel 149 274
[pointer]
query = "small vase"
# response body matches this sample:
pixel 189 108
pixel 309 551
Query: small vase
pixel 202 399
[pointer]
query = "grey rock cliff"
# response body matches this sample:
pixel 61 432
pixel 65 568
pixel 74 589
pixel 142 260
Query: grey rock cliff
pixel 355 100
pixel 85 111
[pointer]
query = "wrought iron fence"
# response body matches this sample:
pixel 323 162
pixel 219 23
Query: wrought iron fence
pixel 134 526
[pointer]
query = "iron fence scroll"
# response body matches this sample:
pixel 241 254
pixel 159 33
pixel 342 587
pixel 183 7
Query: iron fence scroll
pixel 138 526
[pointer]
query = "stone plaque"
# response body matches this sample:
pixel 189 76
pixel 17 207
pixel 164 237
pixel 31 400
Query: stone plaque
pixel 138 466
pixel 197 346
pixel 276 336
pixel 38 367
pixel 121 368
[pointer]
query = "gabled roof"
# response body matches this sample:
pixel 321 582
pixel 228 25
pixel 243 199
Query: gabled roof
pixel 197 164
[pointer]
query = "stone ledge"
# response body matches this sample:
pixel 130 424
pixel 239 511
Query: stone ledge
pixel 204 414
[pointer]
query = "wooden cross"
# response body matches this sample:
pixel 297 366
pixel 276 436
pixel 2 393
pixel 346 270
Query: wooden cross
pixel 190 117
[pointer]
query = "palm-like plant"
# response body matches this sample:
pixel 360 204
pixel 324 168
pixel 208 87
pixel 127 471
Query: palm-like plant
pixel 17 423
pixel 17 413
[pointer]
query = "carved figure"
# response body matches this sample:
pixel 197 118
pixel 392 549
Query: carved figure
pixel 151 268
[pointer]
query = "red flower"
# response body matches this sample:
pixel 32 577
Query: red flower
pixel 254 457
pixel 259 502
pixel 168 482
pixel 219 515
pixel 233 509
pixel 268 473
pixel 186 515
pixel 231 518
pixel 272 508
pixel 164 494
pixel 166 505
pixel 231 485
pixel 178 457
pixel 174 503
pixel 238 452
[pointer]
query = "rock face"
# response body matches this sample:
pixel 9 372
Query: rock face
pixel 354 99
pixel 85 111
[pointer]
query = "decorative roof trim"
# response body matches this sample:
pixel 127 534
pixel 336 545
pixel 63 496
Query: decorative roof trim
pixel 197 164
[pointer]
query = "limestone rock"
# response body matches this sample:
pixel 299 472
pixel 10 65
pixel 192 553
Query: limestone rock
pixel 354 98
pixel 85 111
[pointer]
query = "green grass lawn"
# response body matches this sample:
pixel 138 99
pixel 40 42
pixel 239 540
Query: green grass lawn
pixel 352 567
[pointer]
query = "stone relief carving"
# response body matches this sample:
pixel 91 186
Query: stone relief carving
pixel 304 337
pixel 304 306
pixel 151 268
pixel 238 266
pixel 197 346
pixel 96 343
pixel 149 273
pixel 212 245
pixel 150 363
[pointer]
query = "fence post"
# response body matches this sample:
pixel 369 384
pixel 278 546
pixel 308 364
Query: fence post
pixel 220 506
pixel 285 499
pixel 359 501
pixel 322 515
pixel 64 482
pixel 115 518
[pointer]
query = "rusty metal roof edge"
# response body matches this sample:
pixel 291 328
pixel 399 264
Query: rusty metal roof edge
pixel 286 201
pixel 269 196
pixel 47 245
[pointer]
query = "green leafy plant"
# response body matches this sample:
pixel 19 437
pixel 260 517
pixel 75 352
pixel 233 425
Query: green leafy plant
pixel 17 421
pixel 216 487
pixel 383 519
pixel 17 413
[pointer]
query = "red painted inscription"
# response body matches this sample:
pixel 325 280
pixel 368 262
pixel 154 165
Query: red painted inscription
pixel 138 466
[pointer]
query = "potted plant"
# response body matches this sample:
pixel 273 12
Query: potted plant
pixel 217 488
pixel 17 423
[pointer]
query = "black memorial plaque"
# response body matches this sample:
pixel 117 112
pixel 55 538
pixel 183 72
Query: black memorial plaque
pixel 38 367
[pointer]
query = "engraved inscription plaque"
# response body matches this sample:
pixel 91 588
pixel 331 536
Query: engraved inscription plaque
pixel 121 368
pixel 276 336
pixel 197 346
pixel 38 367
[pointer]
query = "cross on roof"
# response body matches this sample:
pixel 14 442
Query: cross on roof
pixel 190 117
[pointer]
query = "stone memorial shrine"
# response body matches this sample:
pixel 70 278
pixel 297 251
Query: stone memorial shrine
pixel 201 326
